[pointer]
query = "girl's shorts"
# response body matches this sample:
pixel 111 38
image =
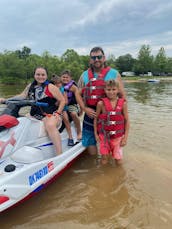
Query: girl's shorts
pixel 74 108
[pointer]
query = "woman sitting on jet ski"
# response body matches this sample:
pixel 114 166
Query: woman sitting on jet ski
pixel 41 90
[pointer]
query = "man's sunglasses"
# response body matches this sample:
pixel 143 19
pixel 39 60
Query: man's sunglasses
pixel 96 57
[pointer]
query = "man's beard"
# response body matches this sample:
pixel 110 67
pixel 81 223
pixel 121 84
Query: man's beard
pixel 100 66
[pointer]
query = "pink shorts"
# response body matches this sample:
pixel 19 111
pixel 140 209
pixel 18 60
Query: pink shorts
pixel 110 146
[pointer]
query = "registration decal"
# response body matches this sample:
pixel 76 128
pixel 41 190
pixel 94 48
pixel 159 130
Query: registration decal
pixel 41 173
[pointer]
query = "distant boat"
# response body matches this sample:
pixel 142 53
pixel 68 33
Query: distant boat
pixel 153 80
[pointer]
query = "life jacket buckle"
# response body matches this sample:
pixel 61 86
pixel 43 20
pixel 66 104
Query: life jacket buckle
pixel 112 113
pixel 93 79
pixel 112 122
pixel 93 96
pixel 112 132
pixel 92 87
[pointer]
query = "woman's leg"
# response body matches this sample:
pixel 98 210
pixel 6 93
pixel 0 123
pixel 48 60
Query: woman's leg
pixel 51 124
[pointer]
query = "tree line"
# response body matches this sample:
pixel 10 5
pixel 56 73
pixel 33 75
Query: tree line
pixel 17 66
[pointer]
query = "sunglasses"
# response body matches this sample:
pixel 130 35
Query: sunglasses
pixel 96 57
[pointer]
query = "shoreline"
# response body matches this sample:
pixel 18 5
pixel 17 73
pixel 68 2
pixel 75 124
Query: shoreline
pixel 134 79
pixel 129 79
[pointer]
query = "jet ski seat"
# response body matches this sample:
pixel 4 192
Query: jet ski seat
pixel 28 154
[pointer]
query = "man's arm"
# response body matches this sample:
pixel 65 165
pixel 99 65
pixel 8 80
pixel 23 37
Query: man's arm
pixel 80 84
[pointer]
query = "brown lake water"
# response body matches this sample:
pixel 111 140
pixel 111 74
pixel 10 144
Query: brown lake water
pixel 136 195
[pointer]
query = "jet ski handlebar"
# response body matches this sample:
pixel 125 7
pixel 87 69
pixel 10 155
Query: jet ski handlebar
pixel 25 102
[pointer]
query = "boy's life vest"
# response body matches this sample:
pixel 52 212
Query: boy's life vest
pixel 70 94
pixel 111 123
pixel 94 89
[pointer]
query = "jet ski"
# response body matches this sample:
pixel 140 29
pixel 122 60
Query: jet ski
pixel 28 162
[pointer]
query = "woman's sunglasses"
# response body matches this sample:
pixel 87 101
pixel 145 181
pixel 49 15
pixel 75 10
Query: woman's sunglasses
pixel 96 57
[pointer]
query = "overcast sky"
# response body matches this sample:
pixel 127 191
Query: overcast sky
pixel 119 26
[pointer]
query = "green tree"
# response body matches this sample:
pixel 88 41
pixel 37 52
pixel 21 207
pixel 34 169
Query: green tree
pixel 69 56
pixel 84 62
pixel 24 53
pixel 111 61
pixel 73 62
pixel 11 67
pixel 144 62
pixel 160 62
pixel 125 63
pixel 169 65
pixel 18 66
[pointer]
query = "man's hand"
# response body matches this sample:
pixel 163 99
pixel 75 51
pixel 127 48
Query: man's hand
pixel 90 112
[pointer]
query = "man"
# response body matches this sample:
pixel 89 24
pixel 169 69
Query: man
pixel 91 84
